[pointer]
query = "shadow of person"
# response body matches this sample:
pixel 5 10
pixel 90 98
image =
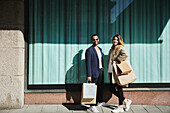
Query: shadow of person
pixel 73 106
pixel 77 73
pixel 75 76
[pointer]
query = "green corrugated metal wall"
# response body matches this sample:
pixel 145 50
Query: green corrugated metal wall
pixel 60 30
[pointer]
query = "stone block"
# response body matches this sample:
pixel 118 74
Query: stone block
pixel 11 38
pixel 11 92
pixel 11 61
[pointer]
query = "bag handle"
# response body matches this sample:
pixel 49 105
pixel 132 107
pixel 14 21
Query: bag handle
pixel 89 81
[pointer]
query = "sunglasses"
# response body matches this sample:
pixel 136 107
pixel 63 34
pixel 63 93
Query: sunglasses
pixel 95 39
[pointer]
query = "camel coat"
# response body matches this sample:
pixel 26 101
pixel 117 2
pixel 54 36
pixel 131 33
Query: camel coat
pixel 114 59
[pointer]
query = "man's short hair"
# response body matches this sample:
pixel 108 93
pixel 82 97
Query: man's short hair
pixel 94 35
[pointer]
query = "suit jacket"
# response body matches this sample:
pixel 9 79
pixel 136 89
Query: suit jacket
pixel 92 62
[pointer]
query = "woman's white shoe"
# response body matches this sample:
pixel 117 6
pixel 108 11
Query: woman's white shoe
pixel 117 110
pixel 93 109
pixel 127 105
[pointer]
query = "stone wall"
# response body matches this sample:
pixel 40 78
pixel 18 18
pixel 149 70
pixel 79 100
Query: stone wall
pixel 12 51
pixel 11 69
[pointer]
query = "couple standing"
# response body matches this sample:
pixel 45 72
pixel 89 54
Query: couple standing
pixel 95 71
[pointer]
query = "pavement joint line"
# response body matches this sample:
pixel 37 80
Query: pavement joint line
pixel 145 109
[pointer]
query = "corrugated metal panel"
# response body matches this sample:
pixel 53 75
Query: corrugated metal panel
pixel 60 30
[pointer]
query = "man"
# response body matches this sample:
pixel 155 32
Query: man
pixel 95 69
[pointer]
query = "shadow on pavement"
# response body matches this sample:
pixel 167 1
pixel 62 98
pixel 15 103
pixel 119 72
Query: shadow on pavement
pixel 72 106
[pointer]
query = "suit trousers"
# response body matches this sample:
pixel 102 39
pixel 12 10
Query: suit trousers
pixel 100 83
pixel 117 90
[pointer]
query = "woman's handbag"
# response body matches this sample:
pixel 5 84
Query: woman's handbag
pixel 124 79
pixel 89 91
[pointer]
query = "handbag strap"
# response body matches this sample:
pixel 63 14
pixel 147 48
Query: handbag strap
pixel 115 67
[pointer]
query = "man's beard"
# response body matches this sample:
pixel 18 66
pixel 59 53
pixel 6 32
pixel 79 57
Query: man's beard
pixel 95 44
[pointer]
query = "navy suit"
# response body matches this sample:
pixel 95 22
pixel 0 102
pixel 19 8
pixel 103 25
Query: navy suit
pixel 92 62
pixel 92 67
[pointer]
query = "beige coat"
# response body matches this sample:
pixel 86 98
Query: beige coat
pixel 120 56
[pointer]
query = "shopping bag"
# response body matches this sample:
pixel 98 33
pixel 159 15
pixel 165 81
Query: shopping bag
pixel 124 67
pixel 126 79
pixel 123 79
pixel 88 95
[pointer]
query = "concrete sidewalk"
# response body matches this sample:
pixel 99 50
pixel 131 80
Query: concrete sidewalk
pixel 73 108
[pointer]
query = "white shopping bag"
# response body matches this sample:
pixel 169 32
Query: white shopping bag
pixel 89 91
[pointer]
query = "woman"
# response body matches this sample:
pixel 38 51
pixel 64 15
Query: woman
pixel 117 54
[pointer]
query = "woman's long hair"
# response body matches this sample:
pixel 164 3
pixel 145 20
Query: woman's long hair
pixel 119 45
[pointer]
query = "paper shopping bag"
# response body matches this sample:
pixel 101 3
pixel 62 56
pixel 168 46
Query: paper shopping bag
pixel 88 95
pixel 126 79
pixel 123 79
pixel 124 67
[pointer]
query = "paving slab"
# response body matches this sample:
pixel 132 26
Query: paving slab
pixel 100 109
pixel 129 111
pixel 138 109
pixel 4 111
pixel 164 109
pixel 109 108
pixel 22 110
pixel 34 109
pixel 63 109
pixel 49 108
pixel 106 109
pixel 152 109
